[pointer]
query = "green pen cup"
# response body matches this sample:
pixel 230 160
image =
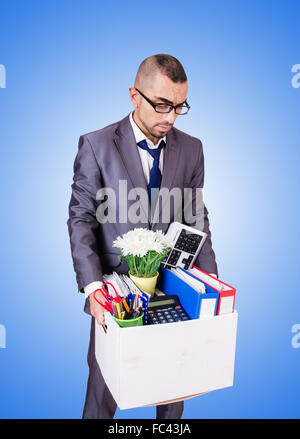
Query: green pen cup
pixel 130 322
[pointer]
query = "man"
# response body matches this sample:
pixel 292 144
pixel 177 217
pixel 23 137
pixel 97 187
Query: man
pixel 142 151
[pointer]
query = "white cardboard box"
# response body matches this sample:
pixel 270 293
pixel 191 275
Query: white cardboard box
pixel 154 364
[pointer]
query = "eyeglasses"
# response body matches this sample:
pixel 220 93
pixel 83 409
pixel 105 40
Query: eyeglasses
pixel 167 108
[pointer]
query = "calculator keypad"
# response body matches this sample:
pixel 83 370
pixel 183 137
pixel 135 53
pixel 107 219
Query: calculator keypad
pixel 167 315
pixel 188 242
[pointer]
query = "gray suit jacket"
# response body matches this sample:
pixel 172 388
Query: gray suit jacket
pixel 106 156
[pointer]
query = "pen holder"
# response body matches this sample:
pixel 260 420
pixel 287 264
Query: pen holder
pixel 130 322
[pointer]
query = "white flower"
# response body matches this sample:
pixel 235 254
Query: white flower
pixel 163 239
pixel 130 244
pixel 139 241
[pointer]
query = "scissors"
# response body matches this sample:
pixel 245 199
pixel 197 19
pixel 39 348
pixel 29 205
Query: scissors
pixel 109 299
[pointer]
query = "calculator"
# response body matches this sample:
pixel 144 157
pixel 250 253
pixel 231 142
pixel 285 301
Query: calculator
pixel 166 309
pixel 186 245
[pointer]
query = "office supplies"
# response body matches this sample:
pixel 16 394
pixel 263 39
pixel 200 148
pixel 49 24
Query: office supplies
pixel 114 278
pixel 132 303
pixel 125 280
pixel 226 292
pixel 133 289
pixel 192 281
pixel 196 305
pixel 118 311
pixel 137 313
pixel 186 244
pixel 124 302
pixel 166 309
pixel 109 300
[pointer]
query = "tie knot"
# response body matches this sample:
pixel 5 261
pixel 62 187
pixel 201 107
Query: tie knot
pixel 154 152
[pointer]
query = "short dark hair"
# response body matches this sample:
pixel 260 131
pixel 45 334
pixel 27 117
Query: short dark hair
pixel 166 64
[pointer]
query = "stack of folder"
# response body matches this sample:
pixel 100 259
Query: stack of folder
pixel 200 294
pixel 226 292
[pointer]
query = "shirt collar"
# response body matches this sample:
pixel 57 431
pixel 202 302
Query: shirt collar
pixel 139 135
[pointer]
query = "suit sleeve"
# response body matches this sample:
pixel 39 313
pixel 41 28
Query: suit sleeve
pixel 82 222
pixel 206 259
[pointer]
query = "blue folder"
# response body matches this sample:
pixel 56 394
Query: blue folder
pixel 190 299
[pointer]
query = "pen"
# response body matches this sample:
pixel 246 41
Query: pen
pixel 135 301
pixel 131 303
pixel 125 304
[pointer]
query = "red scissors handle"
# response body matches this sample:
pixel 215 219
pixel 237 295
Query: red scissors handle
pixel 117 298
pixel 106 305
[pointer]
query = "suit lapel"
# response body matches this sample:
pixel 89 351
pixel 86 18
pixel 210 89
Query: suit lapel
pixel 125 143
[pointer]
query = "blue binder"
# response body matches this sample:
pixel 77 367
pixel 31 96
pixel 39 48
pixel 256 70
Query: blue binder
pixel 190 299
pixel 208 288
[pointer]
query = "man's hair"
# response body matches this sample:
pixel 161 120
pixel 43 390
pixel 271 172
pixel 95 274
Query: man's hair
pixel 166 64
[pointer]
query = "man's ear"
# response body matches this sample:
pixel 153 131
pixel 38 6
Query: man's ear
pixel 134 96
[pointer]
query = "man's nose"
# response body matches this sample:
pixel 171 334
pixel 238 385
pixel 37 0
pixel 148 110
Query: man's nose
pixel 170 117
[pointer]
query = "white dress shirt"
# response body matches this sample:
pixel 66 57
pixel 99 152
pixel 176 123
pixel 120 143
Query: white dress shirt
pixel 147 163
pixel 146 158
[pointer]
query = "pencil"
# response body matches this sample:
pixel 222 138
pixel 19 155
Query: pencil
pixel 118 310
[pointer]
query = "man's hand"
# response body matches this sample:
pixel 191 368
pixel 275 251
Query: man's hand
pixel 97 310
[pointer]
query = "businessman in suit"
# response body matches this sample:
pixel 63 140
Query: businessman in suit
pixel 141 154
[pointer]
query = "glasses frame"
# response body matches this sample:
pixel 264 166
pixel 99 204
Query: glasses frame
pixel 154 105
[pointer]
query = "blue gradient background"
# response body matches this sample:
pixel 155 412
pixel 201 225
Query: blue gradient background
pixel 69 65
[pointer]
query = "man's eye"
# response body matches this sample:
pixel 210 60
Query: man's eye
pixel 163 106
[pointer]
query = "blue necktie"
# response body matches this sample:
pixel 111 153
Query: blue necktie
pixel 155 174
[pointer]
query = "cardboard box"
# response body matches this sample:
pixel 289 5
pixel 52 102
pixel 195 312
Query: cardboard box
pixel 156 364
